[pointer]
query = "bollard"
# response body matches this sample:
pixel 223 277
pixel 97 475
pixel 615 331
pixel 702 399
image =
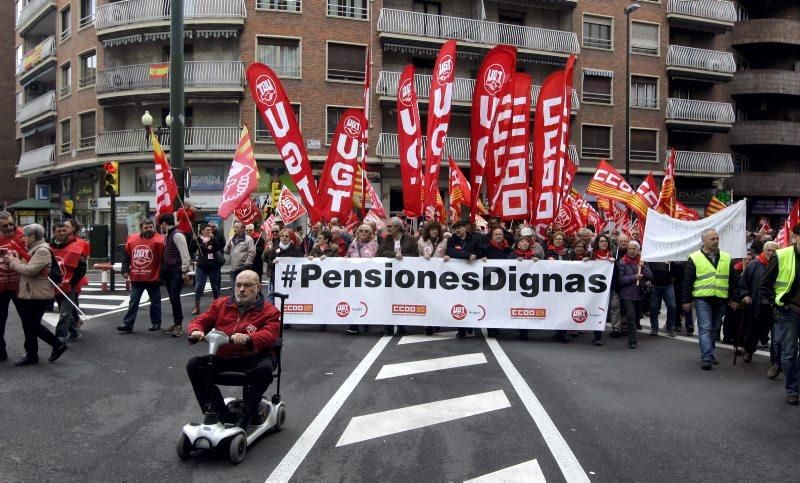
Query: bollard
pixel 104 281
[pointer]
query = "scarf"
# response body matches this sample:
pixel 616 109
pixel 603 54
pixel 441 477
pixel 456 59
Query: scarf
pixel 284 247
pixel 527 254
pixel 600 254
pixel 762 259
pixel 562 250
pixel 631 261
pixel 502 245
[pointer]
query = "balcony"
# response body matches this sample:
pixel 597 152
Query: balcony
pixel 765 133
pixel 32 13
pixel 766 81
pixel 145 14
pixel 699 115
pixel 692 63
pixel 195 139
pixel 703 163
pixel 458 148
pixel 704 15
pixel 37 159
pixel 37 59
pixel 40 108
pixel 767 31
pixel 404 27
pixel 462 89
pixel 202 76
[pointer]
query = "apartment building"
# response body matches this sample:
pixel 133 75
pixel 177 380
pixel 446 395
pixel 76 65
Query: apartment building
pixel 87 73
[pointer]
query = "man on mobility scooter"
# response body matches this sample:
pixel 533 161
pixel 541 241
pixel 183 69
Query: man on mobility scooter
pixel 253 325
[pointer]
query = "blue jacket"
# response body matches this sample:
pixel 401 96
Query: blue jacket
pixel 628 290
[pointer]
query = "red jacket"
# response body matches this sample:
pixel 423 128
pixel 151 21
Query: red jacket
pixel 261 322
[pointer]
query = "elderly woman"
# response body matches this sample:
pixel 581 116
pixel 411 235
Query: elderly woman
pixel 633 275
pixel 363 246
pixel 35 294
pixel 284 248
pixel 557 250
pixel 432 243
pixel 323 248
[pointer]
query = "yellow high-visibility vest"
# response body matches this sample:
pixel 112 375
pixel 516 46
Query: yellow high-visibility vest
pixel 710 281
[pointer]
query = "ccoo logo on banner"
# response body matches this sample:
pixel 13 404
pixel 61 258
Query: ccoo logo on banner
pixel 414 291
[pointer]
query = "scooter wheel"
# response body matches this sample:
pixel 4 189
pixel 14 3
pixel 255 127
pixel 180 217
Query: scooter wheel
pixel 280 419
pixel 184 447
pixel 237 447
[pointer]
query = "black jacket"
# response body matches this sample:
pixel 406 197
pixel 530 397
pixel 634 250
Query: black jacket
pixel 664 273
pixel 462 248
pixel 408 246
pixel 767 285
pixel 750 284
pixel 690 275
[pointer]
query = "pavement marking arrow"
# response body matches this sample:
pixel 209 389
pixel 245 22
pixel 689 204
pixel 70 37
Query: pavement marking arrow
pixel 377 425
pixel 527 472
pixel 429 365
pixel 413 339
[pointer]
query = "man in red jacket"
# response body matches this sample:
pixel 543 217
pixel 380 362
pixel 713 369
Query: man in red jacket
pixel 10 239
pixel 141 265
pixel 253 325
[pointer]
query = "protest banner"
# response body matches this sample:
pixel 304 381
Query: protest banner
pixel 501 294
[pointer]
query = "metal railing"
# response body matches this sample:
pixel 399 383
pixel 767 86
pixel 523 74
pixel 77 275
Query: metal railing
pixel 65 34
pixel 87 81
pixel 37 158
pixel 65 147
pixel 37 107
pixel 86 21
pixel 644 154
pixel 46 48
pixel 702 59
pixel 340 8
pixel 701 111
pixel 32 9
pixel 280 5
pixel 462 88
pixel 695 162
pixel 195 139
pixel 129 12
pixel 479 31
pixel 196 74
pixel 65 91
pixel 711 9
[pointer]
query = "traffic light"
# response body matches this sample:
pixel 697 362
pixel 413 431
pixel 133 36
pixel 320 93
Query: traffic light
pixel 69 205
pixel 111 178
pixel 276 193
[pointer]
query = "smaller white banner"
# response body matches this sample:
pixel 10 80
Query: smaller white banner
pixel 670 240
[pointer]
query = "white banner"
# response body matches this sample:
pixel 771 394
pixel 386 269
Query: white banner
pixel 414 291
pixel 669 240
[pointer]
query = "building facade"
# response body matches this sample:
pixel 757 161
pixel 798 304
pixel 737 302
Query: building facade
pixel 87 73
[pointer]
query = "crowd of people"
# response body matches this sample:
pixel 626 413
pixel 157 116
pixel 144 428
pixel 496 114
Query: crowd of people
pixel 750 303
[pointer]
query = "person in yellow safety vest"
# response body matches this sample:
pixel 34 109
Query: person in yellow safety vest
pixel 708 282
pixel 781 287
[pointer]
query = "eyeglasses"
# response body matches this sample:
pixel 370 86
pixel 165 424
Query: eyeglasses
pixel 246 285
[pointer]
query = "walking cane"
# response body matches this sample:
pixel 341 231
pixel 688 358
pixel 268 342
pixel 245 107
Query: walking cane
pixel 83 317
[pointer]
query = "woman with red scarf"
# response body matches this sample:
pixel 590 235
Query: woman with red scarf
pixel 633 275
pixel 557 249
pixel 496 249
pixel 602 251
pixel 524 250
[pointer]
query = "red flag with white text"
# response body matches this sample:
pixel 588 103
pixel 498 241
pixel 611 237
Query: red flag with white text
pixel 247 212
pixel 683 212
pixel 647 192
pixel 273 105
pixel 242 177
pixel 166 189
pixel 409 143
pixel 336 185
pixel 607 182
pixel 441 96
pixel 289 207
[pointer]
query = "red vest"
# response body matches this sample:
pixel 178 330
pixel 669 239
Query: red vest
pixel 68 258
pixel 9 279
pixel 86 249
pixel 146 255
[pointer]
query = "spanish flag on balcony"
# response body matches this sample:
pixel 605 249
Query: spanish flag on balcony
pixel 714 206
pixel 158 71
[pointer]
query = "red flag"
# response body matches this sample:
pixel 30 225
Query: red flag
pixel 569 176
pixel 352 222
pixel 459 186
pixel 683 212
pixel 289 207
pixel 377 205
pixel 605 206
pixel 336 185
pixel 494 76
pixel 607 182
pixel 409 143
pixel 569 217
pixel 273 106
pixel 550 142
pixel 266 227
pixel 714 206
pixel 509 157
pixel 242 177
pixel 439 117
pixel 783 236
pixel 667 199
pixel 248 212
pixel 647 192
pixel 166 189
pixel 794 215
pixel 373 217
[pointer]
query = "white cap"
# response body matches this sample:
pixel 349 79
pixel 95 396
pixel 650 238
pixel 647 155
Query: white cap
pixel 527 231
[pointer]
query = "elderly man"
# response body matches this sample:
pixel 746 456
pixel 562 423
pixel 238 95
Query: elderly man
pixel 11 238
pixel 587 237
pixel 242 250
pixel 781 287
pixel 174 269
pixel 397 244
pixel 141 265
pixel 758 312
pixel 69 254
pixel 253 325
pixel 708 282
pixel 310 239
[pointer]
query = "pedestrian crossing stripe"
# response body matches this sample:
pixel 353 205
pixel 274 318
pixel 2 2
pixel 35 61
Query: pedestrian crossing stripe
pixel 527 472
pixel 430 365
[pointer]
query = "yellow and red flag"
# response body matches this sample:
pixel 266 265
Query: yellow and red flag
pixel 714 206
pixel 158 71
pixel 667 199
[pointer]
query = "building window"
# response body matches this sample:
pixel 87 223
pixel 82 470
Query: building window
pixel 87 13
pixel 644 92
pixel 66 80
pixel 280 5
pixel 88 70
pixel 346 62
pixel 86 125
pixel 644 38
pixel 332 116
pixel 644 145
pixel 597 32
pixel 66 23
pixel 348 8
pixel 281 55
pixel 66 137
pixel 597 86
pixel 595 141
pixel 262 132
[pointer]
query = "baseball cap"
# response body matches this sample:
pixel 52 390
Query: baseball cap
pixel 527 231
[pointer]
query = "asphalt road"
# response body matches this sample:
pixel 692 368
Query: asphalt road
pixel 111 409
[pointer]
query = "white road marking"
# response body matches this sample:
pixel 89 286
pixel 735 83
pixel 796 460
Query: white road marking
pixel 570 467
pixel 429 365
pixel 100 306
pixel 362 428
pixel 288 465
pixel 413 339
pixel 104 297
pixel 527 472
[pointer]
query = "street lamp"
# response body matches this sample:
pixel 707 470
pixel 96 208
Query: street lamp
pixel 147 121
pixel 628 11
